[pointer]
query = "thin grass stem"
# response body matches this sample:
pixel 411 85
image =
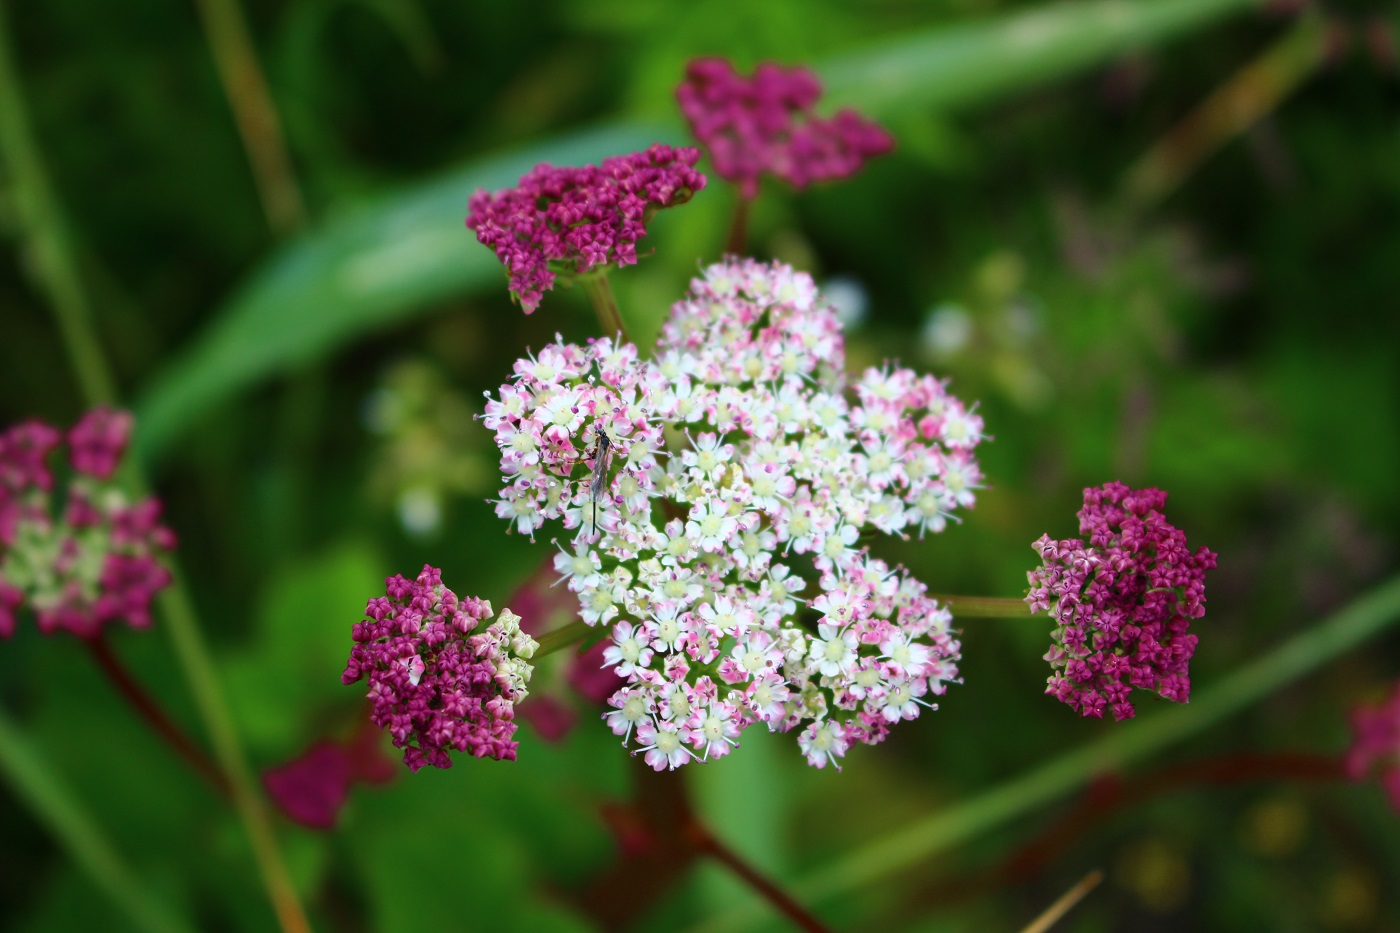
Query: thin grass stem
pixel 50 800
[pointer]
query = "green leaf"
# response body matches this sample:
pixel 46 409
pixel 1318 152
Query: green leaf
pixel 917 841
pixel 388 260
pixel 52 803
pixel 289 673
pixel 978 62
pixel 373 266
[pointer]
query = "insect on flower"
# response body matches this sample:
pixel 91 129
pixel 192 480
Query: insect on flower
pixel 602 460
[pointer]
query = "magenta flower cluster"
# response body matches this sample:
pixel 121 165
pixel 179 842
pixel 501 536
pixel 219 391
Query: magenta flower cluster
pixel 738 457
pixel 441 680
pixel 764 125
pixel 313 787
pixel 577 220
pixel 1375 745
pixel 97 561
pixel 1122 603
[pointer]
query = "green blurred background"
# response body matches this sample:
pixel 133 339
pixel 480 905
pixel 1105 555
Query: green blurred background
pixel 1132 287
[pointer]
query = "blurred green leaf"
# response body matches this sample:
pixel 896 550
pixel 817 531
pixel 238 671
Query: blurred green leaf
pixel 370 267
pixel 386 261
pixel 290 671
pixel 978 62
pixel 48 796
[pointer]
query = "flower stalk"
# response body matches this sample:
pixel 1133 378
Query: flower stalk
pixel 562 637
pixel 600 295
pixel 739 226
pixel 149 710
pixel 986 607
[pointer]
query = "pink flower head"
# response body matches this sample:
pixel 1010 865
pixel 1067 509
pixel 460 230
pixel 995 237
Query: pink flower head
pixel 439 678
pixel 1375 745
pixel 97 441
pixel 97 561
pixel 741 450
pixel 312 788
pixel 764 124
pixel 575 220
pixel 1122 603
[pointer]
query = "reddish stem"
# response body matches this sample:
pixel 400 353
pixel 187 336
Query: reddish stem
pixel 155 717
pixel 661 836
pixel 706 843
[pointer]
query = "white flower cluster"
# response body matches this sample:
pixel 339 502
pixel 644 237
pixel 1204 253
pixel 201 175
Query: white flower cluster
pixel 723 465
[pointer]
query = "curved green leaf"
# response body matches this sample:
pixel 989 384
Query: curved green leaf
pixel 52 803
pixel 975 63
pixel 906 847
pixel 387 260
pixel 372 266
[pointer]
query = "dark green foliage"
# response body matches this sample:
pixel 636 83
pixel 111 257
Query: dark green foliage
pixel 1235 344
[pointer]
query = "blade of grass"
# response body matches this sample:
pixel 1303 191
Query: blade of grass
pixel 58 275
pixel 48 798
pixel 1065 903
pixel 1251 94
pixel 254 113
pixel 1132 742
pixel 55 271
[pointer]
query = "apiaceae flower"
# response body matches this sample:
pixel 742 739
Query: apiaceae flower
pixel 577 220
pixel 1122 603
pixel 764 124
pixel 440 678
pixel 96 560
pixel 740 459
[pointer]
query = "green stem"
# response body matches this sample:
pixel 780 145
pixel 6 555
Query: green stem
pixel 563 637
pixel 986 607
pixel 58 275
pixel 739 227
pixel 50 800
pixel 198 667
pixel 600 293
pixel 1130 742
pixel 54 265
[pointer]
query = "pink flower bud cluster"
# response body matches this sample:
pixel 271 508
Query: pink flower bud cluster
pixel 1122 604
pixel 733 459
pixel 313 787
pixel 576 220
pixel 764 124
pixel 94 563
pixel 439 679
pixel 1375 745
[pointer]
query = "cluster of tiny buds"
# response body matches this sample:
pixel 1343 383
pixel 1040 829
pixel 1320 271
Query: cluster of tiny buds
pixel 763 124
pixel 1122 603
pixel 728 473
pixel 97 560
pixel 440 678
pixel 578 220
